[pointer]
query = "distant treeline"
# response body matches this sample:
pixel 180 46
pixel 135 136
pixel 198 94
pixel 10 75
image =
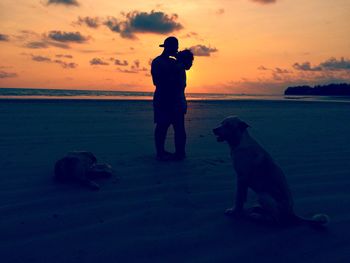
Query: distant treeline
pixel 342 89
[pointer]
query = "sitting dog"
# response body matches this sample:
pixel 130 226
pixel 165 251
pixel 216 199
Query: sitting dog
pixel 81 167
pixel 256 170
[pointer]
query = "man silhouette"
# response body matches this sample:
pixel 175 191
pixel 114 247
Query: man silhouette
pixel 166 113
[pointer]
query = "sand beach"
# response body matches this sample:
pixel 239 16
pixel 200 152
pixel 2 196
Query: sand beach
pixel 153 211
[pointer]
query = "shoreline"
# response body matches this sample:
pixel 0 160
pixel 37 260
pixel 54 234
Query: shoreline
pixel 277 100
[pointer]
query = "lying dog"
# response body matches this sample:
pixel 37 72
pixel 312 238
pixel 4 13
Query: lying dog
pixel 257 170
pixel 81 167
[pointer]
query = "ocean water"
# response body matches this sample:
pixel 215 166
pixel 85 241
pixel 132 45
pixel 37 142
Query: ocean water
pixel 19 93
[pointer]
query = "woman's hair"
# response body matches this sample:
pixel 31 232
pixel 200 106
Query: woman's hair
pixel 185 57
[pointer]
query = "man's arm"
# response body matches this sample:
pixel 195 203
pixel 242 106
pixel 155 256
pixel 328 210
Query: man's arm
pixel 156 72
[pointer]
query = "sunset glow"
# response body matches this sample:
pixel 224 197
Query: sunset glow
pixel 241 46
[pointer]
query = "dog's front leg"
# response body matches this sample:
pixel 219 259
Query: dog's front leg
pixel 241 198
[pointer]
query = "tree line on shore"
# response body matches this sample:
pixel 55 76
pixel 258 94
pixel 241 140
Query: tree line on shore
pixel 342 89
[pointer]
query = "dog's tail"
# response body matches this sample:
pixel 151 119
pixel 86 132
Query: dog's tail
pixel 318 220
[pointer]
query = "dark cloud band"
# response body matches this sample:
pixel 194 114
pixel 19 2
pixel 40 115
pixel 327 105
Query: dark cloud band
pixel 331 64
pixel 4 37
pixel 264 2
pixel 63 2
pixel 98 61
pixel 154 22
pixel 74 37
pixel 143 22
pixel 334 64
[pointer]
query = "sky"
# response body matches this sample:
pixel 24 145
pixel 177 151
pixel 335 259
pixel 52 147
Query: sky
pixel 240 46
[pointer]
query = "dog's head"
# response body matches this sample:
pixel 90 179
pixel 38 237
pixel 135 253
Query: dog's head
pixel 231 130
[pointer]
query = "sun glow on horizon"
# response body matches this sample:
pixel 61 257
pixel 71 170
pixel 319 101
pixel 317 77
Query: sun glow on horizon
pixel 240 46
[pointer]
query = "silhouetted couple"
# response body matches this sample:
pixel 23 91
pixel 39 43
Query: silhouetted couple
pixel 169 101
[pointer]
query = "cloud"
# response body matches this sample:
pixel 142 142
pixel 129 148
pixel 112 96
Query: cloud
pixel 134 68
pixel 41 58
pixel 264 2
pixel 98 61
pixel 60 36
pixel 39 41
pixel 90 50
pixel 281 71
pixel 68 65
pixel 113 24
pixel 201 50
pixel 142 22
pixel 63 56
pixel 155 22
pixel 331 64
pixel 127 71
pixel 135 22
pixel 278 74
pixel 93 22
pixel 4 37
pixel 136 64
pixel 131 71
pixel 57 44
pixel 306 66
pixel 63 2
pixel 4 75
pixel 121 63
pixel 27 36
pixel 37 45
pixel 65 64
pixel 45 44
pixel 334 64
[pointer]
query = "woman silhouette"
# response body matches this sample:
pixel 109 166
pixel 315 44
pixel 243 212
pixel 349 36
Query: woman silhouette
pixel 184 61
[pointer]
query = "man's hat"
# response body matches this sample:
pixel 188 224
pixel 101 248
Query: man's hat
pixel 170 42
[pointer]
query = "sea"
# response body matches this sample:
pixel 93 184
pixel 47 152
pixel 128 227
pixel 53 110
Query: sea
pixel 70 94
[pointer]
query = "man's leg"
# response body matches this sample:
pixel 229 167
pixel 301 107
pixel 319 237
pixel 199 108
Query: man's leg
pixel 180 136
pixel 159 137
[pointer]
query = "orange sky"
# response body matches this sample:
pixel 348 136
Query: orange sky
pixel 241 46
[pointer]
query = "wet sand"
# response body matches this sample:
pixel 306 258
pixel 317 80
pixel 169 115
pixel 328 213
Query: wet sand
pixel 167 212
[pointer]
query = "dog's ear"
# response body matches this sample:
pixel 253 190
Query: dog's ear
pixel 243 126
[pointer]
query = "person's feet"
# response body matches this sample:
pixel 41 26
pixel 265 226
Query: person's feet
pixel 179 156
pixel 165 156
